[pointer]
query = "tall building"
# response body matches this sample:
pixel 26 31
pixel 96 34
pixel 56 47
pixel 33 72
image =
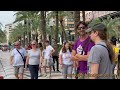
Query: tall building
pixel 8 30
pixel 96 14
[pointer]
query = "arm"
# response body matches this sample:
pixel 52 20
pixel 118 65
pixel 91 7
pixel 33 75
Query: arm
pixel 83 57
pixel 41 58
pixel 11 60
pixel 53 50
pixel 27 60
pixel 94 70
pixel 75 63
pixel 73 56
pixel 60 59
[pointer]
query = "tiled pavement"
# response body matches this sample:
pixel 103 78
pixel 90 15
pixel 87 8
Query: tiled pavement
pixel 8 72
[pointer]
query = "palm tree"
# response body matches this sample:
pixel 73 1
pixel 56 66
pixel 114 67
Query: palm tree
pixel 17 32
pixel 111 24
pixel 31 21
pixel 61 16
pixel 2 37
pixel 76 20
pixel 56 33
pixel 83 15
pixel 43 26
pixel 2 34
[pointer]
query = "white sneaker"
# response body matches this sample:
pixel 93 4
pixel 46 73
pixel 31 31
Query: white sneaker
pixel 44 75
pixel 48 76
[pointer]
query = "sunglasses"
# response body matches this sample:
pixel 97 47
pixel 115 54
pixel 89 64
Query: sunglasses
pixel 79 28
pixel 16 45
pixel 33 44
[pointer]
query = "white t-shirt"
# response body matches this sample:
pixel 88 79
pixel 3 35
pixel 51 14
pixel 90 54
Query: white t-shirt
pixel 47 52
pixel 66 57
pixel 17 59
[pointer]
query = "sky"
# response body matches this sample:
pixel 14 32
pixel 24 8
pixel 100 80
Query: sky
pixel 6 17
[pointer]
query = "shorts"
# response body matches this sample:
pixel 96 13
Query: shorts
pixel 19 69
pixel 46 63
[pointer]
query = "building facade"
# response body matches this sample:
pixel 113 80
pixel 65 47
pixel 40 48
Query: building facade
pixel 8 29
pixel 89 15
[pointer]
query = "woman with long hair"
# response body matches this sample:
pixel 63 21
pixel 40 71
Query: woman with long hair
pixel 33 60
pixel 101 55
pixel 66 61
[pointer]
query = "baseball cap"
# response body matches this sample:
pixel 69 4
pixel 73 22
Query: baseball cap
pixel 97 27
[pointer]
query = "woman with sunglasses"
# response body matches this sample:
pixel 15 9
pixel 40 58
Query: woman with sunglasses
pixel 33 59
pixel 81 49
pixel 65 60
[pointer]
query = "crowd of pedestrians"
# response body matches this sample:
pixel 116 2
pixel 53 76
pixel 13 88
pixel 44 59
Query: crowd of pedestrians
pixel 91 56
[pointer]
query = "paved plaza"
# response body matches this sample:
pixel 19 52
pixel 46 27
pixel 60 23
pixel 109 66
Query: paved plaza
pixel 7 71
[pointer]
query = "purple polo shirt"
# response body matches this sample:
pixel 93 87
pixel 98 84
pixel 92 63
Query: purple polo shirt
pixel 78 47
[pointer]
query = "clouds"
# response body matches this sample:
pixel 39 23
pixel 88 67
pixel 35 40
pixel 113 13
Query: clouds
pixel 6 17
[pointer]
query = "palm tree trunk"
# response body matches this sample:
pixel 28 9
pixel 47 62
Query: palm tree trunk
pixel 63 31
pixel 43 27
pixel 83 15
pixel 76 20
pixel 29 36
pixel 24 39
pixel 56 32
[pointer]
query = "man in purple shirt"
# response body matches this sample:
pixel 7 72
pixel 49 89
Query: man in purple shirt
pixel 81 50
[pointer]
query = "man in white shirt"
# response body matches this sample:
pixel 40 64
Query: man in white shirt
pixel 16 59
pixel 47 55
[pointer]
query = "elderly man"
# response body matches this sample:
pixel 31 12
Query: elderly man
pixel 16 59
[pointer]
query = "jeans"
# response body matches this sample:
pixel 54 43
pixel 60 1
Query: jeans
pixel 67 71
pixel 56 58
pixel 34 71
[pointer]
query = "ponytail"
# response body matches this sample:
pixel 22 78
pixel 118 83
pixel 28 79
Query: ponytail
pixel 103 36
pixel 110 51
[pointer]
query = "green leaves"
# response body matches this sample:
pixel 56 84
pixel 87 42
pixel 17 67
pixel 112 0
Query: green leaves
pixel 111 24
pixel 2 36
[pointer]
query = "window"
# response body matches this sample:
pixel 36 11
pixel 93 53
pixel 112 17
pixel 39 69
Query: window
pixel 71 25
